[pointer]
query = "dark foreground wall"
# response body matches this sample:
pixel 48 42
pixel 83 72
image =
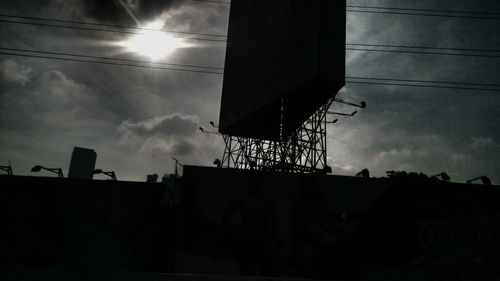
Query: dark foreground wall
pixel 88 224
pixel 345 229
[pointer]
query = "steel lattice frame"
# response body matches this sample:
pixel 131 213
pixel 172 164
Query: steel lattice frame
pixel 302 152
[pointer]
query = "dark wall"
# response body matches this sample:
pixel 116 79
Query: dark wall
pixel 371 229
pixel 356 229
pixel 92 224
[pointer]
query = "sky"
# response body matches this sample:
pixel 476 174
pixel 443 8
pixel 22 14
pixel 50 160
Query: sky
pixel 137 119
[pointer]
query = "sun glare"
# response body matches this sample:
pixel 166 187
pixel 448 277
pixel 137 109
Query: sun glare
pixel 153 43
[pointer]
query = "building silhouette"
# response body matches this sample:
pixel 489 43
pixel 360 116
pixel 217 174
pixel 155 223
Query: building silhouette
pixel 82 163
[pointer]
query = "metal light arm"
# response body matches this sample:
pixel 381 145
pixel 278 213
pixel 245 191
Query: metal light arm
pixel 111 174
pixel 361 105
pixel 205 131
pixel 7 169
pixel 57 171
pixel 484 179
pixel 177 164
pixel 343 114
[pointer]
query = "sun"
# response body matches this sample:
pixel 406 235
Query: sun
pixel 153 43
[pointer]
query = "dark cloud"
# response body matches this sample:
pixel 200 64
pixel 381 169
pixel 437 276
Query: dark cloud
pixel 113 12
pixel 182 148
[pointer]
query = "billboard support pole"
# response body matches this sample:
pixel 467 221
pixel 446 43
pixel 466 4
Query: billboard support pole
pixel 304 151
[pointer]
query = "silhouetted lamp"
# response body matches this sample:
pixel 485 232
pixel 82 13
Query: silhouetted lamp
pixel 484 179
pixel 327 169
pixel 57 171
pixel 365 173
pixel 110 174
pixel 7 169
pixel 217 162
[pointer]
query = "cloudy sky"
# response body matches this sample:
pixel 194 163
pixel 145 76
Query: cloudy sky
pixel 137 119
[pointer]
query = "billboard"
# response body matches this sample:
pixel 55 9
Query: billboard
pixel 82 163
pixel 284 59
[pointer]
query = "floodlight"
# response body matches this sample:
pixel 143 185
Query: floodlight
pixel 365 173
pixel 484 179
pixel 327 169
pixel 58 171
pixel 110 174
pixel 36 168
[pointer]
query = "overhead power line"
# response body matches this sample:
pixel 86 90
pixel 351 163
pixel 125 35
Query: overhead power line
pixel 223 36
pixel 111 25
pixel 422 14
pixel 423 47
pixel 109 63
pixel 423 52
pixel 424 10
pixel 397 11
pixel 423 86
pixel 492 88
pixel 109 58
pixel 99 29
pixel 422 81
pixel 357 46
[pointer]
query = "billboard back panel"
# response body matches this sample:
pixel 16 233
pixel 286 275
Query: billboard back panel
pixel 283 60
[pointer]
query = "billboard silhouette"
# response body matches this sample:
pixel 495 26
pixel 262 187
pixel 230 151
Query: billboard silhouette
pixel 284 59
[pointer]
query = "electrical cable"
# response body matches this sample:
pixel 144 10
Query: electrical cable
pixel 110 25
pixel 423 86
pixel 368 80
pixel 99 29
pixel 221 40
pixel 423 52
pixel 110 63
pixel 108 58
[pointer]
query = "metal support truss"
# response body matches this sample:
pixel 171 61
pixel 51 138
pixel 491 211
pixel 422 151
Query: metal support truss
pixel 304 151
